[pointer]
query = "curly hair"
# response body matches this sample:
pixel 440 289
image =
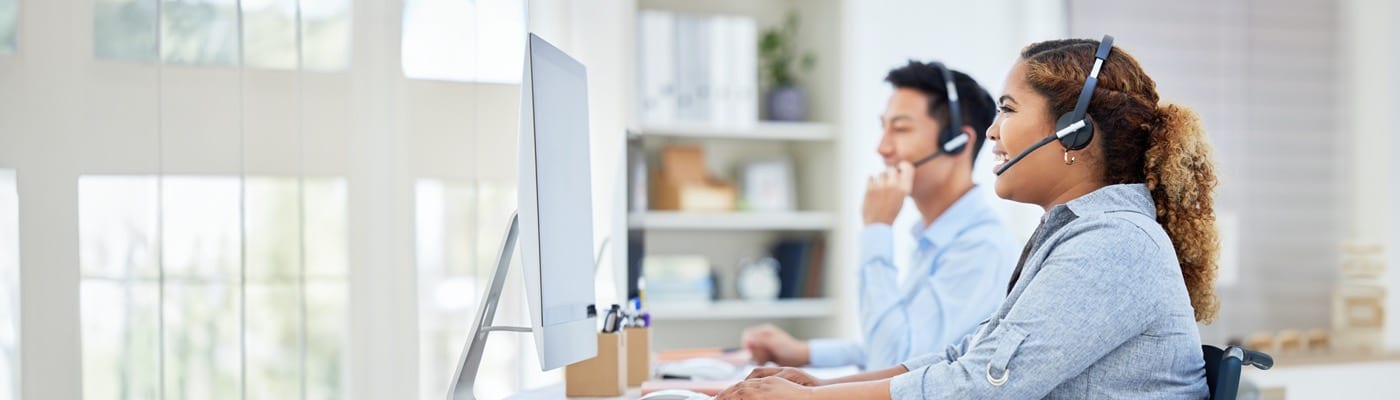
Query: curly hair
pixel 1163 146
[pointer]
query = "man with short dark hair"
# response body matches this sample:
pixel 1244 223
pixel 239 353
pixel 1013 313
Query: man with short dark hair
pixel 964 253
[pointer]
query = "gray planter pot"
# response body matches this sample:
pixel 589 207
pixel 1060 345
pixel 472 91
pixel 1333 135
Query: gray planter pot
pixel 787 103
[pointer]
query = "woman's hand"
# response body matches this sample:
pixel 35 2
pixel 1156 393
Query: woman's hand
pixel 772 387
pixel 793 375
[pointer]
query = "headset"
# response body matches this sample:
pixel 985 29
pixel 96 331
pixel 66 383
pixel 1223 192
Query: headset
pixel 1073 129
pixel 952 139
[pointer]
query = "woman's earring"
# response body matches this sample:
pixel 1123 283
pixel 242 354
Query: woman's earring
pixel 1069 159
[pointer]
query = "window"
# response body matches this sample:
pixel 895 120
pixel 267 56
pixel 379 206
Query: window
pixel 9 286
pixel 442 40
pixel 168 297
pixel 9 25
pixel 458 234
pixel 270 33
pixel 296 290
pixel 270 40
pixel 199 31
pixel 200 242
pixel 120 291
pixel 186 31
pixel 206 32
pixel 124 29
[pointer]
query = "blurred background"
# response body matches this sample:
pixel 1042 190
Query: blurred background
pixel 299 199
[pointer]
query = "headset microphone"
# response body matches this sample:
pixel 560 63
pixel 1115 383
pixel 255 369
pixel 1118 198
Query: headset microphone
pixel 1059 135
pixel 1073 129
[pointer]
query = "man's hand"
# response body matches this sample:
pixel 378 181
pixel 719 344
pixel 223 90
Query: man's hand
pixel 793 375
pixel 768 343
pixel 771 388
pixel 885 193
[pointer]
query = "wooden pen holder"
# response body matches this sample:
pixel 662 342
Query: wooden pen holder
pixel 638 355
pixel 600 376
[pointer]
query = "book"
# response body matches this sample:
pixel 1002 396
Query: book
pixel 792 257
pixel 696 68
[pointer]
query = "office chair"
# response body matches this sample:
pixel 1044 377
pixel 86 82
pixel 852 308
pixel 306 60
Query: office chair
pixel 1223 368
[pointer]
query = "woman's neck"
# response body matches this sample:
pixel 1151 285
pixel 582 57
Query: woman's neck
pixel 1073 191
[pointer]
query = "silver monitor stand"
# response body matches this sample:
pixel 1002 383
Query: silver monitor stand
pixel 470 361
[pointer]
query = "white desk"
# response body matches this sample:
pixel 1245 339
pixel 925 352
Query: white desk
pixel 1362 377
pixel 556 391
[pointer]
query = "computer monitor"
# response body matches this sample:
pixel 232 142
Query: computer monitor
pixel 554 221
pixel 556 211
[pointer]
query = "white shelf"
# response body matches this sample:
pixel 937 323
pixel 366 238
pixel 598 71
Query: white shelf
pixel 732 221
pixel 741 310
pixel 766 130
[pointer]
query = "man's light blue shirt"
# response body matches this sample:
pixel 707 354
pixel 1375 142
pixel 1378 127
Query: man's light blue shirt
pixel 962 264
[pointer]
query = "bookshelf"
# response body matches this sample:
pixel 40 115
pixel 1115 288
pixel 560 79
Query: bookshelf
pixel 727 238
pixel 732 221
pixel 764 130
pixel 743 310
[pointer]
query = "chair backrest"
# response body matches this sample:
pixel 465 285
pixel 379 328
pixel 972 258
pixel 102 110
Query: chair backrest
pixel 1223 368
pixel 1213 355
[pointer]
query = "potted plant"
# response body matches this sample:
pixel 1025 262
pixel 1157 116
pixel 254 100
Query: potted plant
pixel 782 61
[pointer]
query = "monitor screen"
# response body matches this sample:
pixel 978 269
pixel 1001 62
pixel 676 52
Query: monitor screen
pixel 563 186
pixel 556 208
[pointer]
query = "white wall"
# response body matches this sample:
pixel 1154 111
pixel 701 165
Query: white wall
pixel 1373 57
pixel 1394 272
pixel 980 38
pixel 1371 46
pixel 1373 380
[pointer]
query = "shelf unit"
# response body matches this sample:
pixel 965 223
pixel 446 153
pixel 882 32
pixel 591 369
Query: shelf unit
pixel 732 221
pixel 727 238
pixel 765 130
pixel 742 310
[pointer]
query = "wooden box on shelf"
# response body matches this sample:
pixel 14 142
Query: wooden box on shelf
pixel 681 183
pixel 1359 298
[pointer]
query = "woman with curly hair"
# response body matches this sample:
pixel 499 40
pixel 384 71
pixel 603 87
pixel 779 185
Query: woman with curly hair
pixel 1105 299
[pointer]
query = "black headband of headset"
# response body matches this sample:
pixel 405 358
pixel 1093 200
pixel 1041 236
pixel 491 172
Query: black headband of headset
pixel 1092 81
pixel 949 140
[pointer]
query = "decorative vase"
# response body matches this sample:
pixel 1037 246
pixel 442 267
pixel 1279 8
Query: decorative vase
pixel 758 279
pixel 787 103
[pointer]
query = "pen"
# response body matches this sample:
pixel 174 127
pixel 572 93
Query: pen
pixel 617 323
pixel 608 321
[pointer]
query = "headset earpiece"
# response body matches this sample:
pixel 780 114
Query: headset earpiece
pixel 951 139
pixel 1079 138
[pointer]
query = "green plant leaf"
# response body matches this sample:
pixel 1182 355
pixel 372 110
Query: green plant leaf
pixel 779 53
